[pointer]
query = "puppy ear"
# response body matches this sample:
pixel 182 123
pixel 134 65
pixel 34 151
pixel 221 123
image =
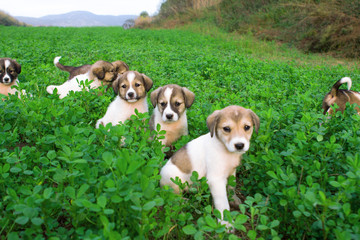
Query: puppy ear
pixel 154 96
pixel 99 72
pixel 255 120
pixel 148 83
pixel 17 67
pixel 116 84
pixel 189 97
pixel 212 121
pixel 120 66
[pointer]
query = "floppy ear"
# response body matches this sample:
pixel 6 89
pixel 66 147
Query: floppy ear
pixel 154 96
pixel 120 66
pixel 212 121
pixel 17 67
pixel 99 72
pixel 255 120
pixel 189 97
pixel 115 84
pixel 148 83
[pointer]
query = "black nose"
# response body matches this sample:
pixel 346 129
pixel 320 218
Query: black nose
pixel 169 116
pixel 6 79
pixel 131 94
pixel 239 146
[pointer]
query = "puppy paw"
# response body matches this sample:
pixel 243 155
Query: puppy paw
pixel 50 89
pixel 98 123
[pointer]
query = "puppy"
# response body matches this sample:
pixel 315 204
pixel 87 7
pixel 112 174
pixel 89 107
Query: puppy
pixel 9 71
pixel 170 103
pixel 340 97
pixel 216 154
pixel 101 73
pixel 131 89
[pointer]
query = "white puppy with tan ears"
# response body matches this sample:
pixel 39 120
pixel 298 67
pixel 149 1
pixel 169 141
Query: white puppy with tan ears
pixel 131 89
pixel 101 73
pixel 171 102
pixel 214 155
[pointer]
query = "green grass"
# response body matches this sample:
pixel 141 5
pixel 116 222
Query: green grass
pixel 61 178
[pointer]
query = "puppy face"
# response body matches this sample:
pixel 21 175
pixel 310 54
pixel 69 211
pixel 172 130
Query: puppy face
pixel 233 126
pixel 104 71
pixel 172 101
pixel 132 86
pixel 9 70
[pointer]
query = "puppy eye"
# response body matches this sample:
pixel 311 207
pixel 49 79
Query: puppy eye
pixel 246 127
pixel 137 85
pixel 163 104
pixel 227 129
pixel 177 104
pixel 123 86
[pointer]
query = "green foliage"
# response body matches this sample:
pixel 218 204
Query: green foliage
pixel 61 178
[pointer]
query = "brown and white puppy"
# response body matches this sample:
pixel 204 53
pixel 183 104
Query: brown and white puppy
pixel 9 71
pixel 101 73
pixel 340 97
pixel 131 89
pixel 170 103
pixel 216 154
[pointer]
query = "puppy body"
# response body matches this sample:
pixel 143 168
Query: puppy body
pixel 214 155
pixel 171 102
pixel 9 71
pixel 340 97
pixel 131 88
pixel 100 73
pixel 120 110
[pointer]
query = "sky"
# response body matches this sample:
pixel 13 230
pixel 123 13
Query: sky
pixel 40 8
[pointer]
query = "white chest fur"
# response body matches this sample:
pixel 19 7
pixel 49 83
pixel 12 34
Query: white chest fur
pixel 120 110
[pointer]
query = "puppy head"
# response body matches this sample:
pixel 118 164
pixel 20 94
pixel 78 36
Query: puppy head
pixel 120 67
pixel 103 71
pixel 132 86
pixel 233 126
pixel 9 70
pixel 172 101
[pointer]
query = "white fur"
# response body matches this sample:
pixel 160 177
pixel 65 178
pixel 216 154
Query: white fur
pixel 120 110
pixel 131 77
pixel 7 64
pixel 168 109
pixel 346 80
pixel 73 85
pixel 210 158
pixel 56 60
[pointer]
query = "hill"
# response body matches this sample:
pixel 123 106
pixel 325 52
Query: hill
pixel 77 19
pixel 322 26
pixel 7 20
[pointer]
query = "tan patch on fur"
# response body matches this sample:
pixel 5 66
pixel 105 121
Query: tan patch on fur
pixel 341 99
pixel 6 89
pixel 120 66
pixel 141 84
pixel 103 71
pixel 182 160
pixel 235 118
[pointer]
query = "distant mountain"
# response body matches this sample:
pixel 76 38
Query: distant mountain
pixel 77 19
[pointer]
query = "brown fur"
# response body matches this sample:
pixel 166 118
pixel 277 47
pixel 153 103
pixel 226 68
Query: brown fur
pixel 230 117
pixel 340 97
pixel 142 84
pixel 182 98
pixel 182 161
pixel 13 70
pixel 102 70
